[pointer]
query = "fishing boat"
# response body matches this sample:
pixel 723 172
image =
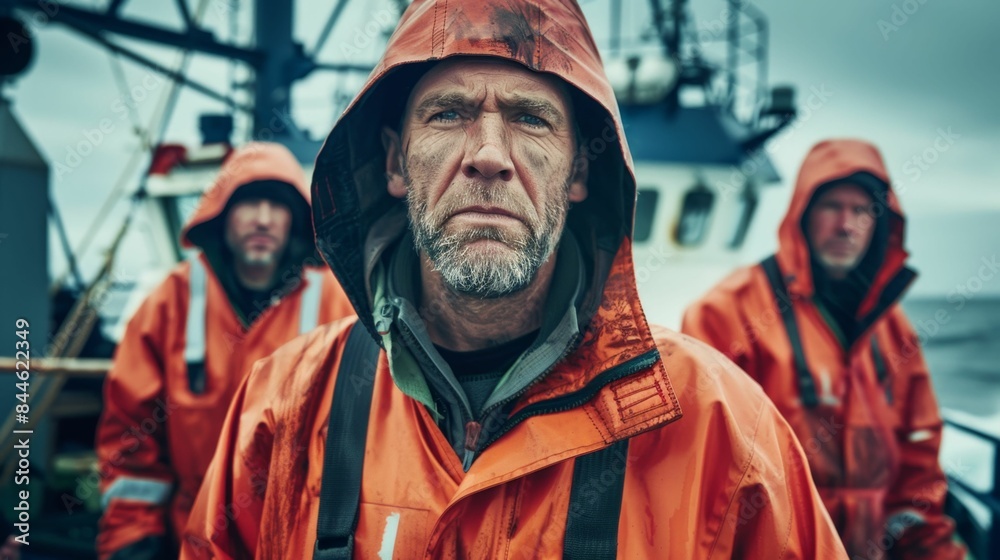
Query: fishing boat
pixel 697 107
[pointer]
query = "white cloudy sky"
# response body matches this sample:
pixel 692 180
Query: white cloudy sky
pixel 938 70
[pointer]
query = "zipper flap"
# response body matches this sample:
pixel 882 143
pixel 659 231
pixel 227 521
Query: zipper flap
pixel 614 384
pixel 582 396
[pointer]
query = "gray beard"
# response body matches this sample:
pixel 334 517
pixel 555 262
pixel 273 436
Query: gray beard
pixel 256 259
pixel 484 276
pixel 487 276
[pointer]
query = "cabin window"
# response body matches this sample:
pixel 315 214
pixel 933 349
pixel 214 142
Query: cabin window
pixel 692 226
pixel 645 211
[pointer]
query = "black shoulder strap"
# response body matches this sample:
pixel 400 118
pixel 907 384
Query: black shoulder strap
pixel 807 386
pixel 344 457
pixel 591 526
pixel 592 521
pixel 881 370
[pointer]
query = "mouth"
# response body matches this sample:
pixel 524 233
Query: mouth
pixel 258 240
pixel 486 213
pixel 841 250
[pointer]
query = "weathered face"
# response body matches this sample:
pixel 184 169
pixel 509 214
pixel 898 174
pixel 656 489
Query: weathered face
pixel 257 231
pixel 840 227
pixel 486 161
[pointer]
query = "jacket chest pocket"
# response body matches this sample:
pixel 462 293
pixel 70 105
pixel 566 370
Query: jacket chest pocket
pixel 195 419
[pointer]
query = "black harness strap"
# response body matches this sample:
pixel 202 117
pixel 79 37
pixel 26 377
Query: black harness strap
pixel 807 385
pixel 592 521
pixel 344 457
pixel 881 370
pixel 591 525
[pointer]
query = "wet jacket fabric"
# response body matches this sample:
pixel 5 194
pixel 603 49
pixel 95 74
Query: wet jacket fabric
pixel 711 470
pixel 872 446
pixel 156 435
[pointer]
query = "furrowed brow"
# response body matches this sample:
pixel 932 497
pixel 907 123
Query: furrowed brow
pixel 536 106
pixel 439 101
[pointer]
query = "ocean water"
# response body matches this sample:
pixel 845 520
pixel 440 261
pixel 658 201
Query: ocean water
pixel 961 344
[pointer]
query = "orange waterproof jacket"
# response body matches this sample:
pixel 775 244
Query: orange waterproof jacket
pixel 872 445
pixel 711 469
pixel 156 434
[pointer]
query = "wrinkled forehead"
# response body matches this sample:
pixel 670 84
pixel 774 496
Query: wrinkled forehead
pixel 475 77
pixel 846 192
pixel 257 200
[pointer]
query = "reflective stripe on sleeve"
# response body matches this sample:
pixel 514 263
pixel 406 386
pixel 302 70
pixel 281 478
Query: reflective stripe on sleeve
pixel 899 522
pixel 145 490
pixel 311 299
pixel 921 435
pixel 194 343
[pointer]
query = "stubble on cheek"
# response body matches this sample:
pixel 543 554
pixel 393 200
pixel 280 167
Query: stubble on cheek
pixel 425 168
pixel 550 182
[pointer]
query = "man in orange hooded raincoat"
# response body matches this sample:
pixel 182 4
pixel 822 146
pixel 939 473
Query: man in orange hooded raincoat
pixel 252 287
pixel 476 202
pixel 820 328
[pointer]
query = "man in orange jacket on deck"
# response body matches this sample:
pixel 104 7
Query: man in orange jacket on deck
pixel 501 394
pixel 820 328
pixel 251 287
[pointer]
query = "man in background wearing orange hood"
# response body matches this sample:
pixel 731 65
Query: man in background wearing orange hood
pixel 820 328
pixel 252 287
pixel 501 394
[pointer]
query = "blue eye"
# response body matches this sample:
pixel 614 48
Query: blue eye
pixel 533 121
pixel 449 115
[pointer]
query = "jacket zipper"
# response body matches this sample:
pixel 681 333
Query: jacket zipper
pixel 570 346
pixel 471 426
pixel 576 398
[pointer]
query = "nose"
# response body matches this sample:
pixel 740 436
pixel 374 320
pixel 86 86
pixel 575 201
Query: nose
pixel 265 213
pixel 851 223
pixel 487 154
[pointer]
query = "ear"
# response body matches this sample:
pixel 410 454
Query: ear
pixel 578 183
pixel 393 163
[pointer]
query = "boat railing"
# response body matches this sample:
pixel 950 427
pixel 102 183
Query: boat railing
pixel 983 542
